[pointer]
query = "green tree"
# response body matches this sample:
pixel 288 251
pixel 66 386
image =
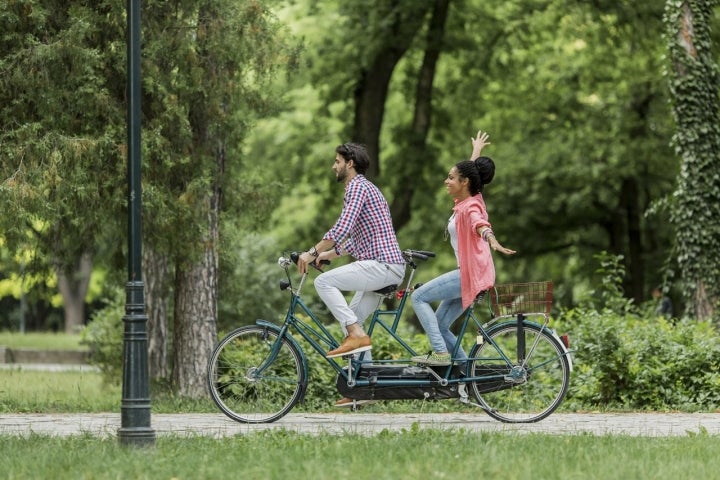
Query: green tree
pixel 694 82
pixel 573 96
pixel 574 101
pixel 205 70
pixel 58 142
pixel 208 66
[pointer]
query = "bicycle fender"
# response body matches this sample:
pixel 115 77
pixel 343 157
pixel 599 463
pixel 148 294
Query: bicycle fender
pixel 552 332
pixel 288 335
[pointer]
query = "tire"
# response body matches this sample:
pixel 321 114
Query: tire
pixel 522 394
pixel 239 391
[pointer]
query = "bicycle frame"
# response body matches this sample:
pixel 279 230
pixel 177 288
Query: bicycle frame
pixel 319 337
pixel 322 340
pixel 257 373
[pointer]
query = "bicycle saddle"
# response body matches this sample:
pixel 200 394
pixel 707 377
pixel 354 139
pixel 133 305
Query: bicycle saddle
pixel 386 290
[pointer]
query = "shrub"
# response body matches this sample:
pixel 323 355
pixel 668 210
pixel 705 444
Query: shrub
pixel 628 357
pixel 104 336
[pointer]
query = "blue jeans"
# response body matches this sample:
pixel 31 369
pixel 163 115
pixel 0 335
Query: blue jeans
pixel 437 324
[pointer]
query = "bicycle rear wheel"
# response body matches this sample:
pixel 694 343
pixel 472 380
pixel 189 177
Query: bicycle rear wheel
pixel 248 384
pixel 523 391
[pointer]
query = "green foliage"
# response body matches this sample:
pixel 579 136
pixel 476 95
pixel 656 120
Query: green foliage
pixel 60 131
pixel 104 336
pixel 627 361
pixel 629 357
pixel 555 173
pixel 611 292
pixel 249 284
pixel 551 83
pixel 694 81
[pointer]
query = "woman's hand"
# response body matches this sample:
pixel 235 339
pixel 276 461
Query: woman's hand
pixel 495 245
pixel 479 143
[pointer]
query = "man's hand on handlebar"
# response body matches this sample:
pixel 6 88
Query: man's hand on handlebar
pixel 306 259
pixel 325 257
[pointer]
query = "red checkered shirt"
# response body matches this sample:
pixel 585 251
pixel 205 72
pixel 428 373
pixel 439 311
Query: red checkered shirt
pixel 364 229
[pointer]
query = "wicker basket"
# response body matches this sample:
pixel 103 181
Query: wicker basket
pixel 526 298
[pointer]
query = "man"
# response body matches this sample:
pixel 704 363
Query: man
pixel 363 230
pixel 664 304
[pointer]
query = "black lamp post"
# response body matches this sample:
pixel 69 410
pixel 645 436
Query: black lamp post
pixel 135 426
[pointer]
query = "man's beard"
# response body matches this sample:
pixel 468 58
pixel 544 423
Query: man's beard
pixel 342 175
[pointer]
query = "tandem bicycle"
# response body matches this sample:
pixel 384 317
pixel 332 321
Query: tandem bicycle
pixel 517 371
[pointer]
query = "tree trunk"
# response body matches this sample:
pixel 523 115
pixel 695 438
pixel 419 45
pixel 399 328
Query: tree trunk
pixel 156 273
pixel 694 85
pixel 635 265
pixel 409 175
pixel 372 88
pixel 195 331
pixel 73 286
pixel 196 276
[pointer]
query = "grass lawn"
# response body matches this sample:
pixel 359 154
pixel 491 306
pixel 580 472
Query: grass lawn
pixel 279 454
pixel 410 454
pixel 30 391
pixel 41 340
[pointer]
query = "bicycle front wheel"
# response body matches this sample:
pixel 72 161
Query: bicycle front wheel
pixel 254 377
pixel 532 384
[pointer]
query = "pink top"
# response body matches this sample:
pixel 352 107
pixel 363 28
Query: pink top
pixel 477 272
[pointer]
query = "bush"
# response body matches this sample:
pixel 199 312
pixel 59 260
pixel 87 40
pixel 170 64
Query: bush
pixel 104 336
pixel 628 357
pixel 626 361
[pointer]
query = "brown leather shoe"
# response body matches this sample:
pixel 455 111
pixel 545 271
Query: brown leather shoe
pixel 351 345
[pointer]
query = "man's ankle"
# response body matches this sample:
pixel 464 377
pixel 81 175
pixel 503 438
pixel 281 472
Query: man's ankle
pixel 355 330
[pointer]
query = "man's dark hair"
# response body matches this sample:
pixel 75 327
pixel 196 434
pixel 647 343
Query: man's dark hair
pixel 357 153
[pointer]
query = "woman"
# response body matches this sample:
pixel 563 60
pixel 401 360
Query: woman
pixel 471 237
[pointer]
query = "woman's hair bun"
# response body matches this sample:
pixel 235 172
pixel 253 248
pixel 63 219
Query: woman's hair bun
pixel 486 168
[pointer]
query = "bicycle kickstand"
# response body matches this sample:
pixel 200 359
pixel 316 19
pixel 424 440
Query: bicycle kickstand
pixel 465 398
pixel 351 376
pixel 351 382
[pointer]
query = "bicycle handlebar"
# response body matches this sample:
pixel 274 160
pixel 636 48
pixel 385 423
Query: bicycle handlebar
pixel 294 256
pixel 419 254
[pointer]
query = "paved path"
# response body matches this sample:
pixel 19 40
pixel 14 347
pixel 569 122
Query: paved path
pixel 49 367
pixel 217 425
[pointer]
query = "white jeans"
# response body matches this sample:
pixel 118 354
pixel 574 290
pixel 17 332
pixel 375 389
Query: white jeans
pixel 363 277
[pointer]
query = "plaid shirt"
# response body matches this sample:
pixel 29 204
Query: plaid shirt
pixel 364 229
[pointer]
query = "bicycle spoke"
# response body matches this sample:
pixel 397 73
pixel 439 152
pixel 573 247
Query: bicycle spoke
pixel 248 383
pixel 522 392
